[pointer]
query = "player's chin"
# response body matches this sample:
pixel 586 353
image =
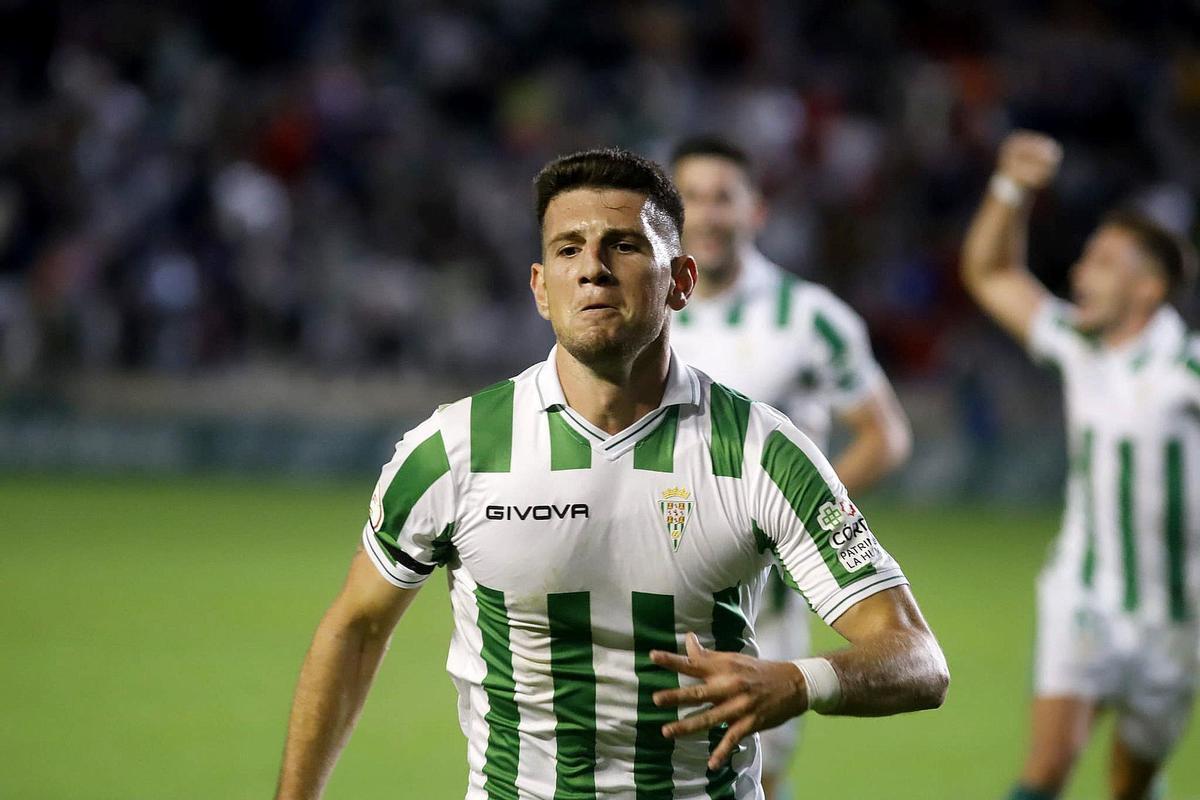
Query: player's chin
pixel 592 343
pixel 1089 320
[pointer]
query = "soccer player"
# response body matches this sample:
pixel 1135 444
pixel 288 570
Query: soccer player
pixel 787 342
pixel 1117 623
pixel 606 519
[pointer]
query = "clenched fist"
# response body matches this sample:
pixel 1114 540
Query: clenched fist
pixel 1030 159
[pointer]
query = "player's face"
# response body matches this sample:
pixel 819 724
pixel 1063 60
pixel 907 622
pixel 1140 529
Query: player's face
pixel 1111 279
pixel 610 271
pixel 723 211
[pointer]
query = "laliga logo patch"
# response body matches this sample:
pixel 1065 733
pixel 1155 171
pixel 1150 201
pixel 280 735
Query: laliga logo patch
pixel 849 535
pixel 830 517
pixel 675 505
pixel 375 514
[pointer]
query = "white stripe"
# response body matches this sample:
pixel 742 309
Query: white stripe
pixel 856 592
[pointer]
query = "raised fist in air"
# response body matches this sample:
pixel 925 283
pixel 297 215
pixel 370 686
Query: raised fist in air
pixel 1030 159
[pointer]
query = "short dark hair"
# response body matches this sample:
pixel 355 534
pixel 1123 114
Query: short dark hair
pixel 1171 253
pixel 713 147
pixel 608 168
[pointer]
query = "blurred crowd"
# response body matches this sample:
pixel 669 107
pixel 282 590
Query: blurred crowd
pixel 345 186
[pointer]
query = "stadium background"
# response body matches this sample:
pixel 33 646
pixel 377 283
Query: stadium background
pixel 243 246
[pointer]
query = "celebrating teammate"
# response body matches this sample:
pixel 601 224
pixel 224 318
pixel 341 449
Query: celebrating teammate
pixel 606 518
pixel 1117 609
pixel 787 342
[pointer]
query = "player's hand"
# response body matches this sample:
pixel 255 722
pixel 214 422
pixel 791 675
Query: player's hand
pixel 1031 159
pixel 750 694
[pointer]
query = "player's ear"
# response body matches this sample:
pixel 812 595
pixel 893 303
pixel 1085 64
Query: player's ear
pixel 537 285
pixel 1154 290
pixel 683 281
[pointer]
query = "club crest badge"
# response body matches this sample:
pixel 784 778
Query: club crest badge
pixel 675 505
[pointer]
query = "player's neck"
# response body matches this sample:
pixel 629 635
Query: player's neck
pixel 714 283
pixel 1127 329
pixel 616 396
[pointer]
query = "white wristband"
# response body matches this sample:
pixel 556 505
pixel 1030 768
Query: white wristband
pixel 824 686
pixel 1006 190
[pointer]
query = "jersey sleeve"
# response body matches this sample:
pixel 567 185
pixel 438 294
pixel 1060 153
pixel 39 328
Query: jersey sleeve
pixel 819 539
pixel 852 371
pixel 1052 340
pixel 413 509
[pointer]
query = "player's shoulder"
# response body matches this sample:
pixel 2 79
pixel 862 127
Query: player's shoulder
pixel 716 395
pixel 816 307
pixel 489 407
pixel 1189 356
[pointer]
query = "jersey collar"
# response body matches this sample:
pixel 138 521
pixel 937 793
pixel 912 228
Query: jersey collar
pixel 758 275
pixel 1165 333
pixel 683 389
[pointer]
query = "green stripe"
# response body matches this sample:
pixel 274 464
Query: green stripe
pixel 568 449
pixel 779 580
pixel 570 615
pixel 503 746
pixel 1084 464
pixel 1176 543
pixel 730 414
pixel 835 341
pixel 729 627
pixel 683 317
pixel 783 312
pixel 657 451
pixel 734 316
pixel 1194 365
pixel 1128 531
pixel 653 629
pixel 443 547
pixel 491 428
pixel 806 491
pixel 425 464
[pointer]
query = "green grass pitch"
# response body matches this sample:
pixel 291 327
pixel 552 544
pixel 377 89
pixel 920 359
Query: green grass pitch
pixel 153 629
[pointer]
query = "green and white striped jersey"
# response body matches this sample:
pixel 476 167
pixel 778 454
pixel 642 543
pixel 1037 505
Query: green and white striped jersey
pixel 1131 526
pixel 572 553
pixel 782 340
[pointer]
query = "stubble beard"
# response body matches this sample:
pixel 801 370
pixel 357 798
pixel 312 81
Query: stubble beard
pixel 609 353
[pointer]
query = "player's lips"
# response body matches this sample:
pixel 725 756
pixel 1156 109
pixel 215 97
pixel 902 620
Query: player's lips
pixel 598 307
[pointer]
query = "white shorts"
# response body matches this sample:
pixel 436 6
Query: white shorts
pixel 1146 674
pixel 781 631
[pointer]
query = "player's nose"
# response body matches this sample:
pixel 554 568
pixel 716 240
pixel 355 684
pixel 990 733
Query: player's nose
pixel 593 269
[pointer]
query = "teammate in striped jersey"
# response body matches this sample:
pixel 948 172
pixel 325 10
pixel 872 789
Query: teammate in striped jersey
pixel 1117 601
pixel 606 520
pixel 788 342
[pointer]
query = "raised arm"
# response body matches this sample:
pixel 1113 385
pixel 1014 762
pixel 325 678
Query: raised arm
pixel 893 664
pixel 994 267
pixel 346 651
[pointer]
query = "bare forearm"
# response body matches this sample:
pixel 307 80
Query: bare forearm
pixel 891 673
pixel 864 461
pixel 881 441
pixel 333 684
pixel 996 241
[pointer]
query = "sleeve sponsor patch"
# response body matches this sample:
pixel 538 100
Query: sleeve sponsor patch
pixel 375 513
pixel 849 534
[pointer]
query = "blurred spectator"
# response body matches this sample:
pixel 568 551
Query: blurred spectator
pixel 345 186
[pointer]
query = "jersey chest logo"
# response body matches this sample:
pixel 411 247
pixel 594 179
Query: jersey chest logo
pixel 675 505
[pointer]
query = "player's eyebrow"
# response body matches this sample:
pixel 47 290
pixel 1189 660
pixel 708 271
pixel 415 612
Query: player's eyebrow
pixel 624 233
pixel 573 235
